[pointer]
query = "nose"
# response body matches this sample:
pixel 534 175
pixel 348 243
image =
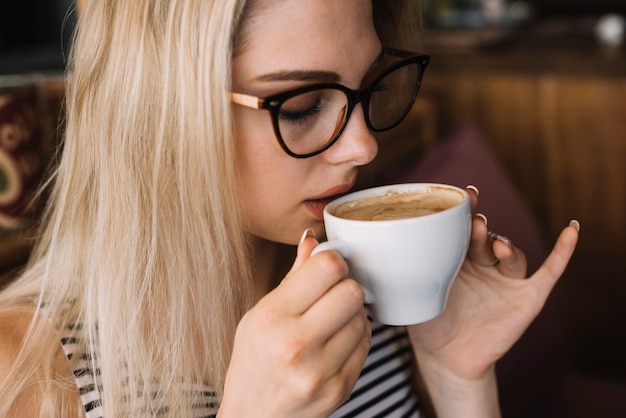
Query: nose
pixel 356 144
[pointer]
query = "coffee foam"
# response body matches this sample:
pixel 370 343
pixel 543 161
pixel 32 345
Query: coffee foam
pixel 399 204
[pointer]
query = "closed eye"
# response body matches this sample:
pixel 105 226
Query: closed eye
pixel 380 87
pixel 300 116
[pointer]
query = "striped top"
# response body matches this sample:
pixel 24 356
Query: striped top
pixel 384 388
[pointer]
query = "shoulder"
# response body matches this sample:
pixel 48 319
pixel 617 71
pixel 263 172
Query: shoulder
pixel 14 326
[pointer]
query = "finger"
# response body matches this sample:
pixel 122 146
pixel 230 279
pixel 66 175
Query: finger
pixel 352 367
pixel 305 246
pixel 473 193
pixel 345 364
pixel 554 266
pixel 511 260
pixel 331 312
pixel 347 350
pixel 481 248
pixel 303 286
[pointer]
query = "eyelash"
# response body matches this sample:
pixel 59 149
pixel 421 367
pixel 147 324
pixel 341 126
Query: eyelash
pixel 300 117
pixel 380 87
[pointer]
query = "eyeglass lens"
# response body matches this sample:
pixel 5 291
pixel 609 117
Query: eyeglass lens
pixel 309 121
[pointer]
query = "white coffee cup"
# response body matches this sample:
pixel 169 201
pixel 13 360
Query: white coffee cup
pixel 406 266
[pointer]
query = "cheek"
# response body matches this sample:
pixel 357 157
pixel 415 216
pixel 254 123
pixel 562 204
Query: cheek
pixel 255 148
pixel 265 198
pixel 270 185
pixel 254 177
pixel 261 166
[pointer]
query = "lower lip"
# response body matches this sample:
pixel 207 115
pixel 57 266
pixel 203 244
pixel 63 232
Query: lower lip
pixel 316 207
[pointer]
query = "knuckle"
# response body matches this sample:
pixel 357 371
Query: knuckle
pixel 245 323
pixel 354 290
pixel 332 263
pixel 260 318
pixel 339 392
pixel 363 336
pixel 291 351
pixel 364 327
pixel 309 385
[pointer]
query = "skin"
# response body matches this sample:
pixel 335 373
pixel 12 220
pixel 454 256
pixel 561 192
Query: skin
pixel 13 328
pixel 314 318
pixel 300 349
pixel 316 36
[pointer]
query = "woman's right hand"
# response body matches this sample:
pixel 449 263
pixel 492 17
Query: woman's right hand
pixel 300 350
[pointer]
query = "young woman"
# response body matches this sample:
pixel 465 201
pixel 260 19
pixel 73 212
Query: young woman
pixel 173 275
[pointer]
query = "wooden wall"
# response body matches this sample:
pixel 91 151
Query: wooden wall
pixel 563 139
pixel 556 116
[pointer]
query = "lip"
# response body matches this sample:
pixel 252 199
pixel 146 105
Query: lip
pixel 316 204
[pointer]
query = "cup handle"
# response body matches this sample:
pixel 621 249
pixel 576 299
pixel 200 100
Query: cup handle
pixel 340 246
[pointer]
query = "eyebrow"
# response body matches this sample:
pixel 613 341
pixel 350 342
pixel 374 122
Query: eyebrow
pixel 312 76
pixel 298 75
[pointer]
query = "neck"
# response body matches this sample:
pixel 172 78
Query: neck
pixel 271 263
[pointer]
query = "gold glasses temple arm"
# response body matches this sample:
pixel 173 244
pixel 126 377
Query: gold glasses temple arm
pixel 246 100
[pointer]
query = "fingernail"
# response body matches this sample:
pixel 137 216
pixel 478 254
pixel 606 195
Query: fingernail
pixel 474 188
pixel 506 240
pixel 501 238
pixel 307 233
pixel 483 217
pixel 575 224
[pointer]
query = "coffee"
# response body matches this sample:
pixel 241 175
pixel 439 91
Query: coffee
pixel 404 265
pixel 399 205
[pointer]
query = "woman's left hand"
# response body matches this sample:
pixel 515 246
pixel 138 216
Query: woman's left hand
pixel 490 305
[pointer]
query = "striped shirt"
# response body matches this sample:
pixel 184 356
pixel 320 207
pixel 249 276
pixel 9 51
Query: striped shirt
pixel 384 388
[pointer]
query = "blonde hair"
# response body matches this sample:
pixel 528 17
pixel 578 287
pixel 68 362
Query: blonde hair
pixel 143 243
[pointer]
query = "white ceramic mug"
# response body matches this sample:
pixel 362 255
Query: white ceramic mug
pixel 405 266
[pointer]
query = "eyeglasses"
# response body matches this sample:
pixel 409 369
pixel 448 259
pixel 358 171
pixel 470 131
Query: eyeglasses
pixel 309 120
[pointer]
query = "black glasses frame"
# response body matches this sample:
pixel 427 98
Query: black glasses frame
pixel 274 102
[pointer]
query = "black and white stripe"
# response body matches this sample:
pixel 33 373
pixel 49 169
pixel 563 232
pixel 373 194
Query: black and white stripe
pixel 384 388
pixel 84 372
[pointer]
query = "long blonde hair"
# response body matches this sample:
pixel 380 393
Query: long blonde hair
pixel 143 243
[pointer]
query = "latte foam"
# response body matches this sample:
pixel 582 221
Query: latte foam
pixel 399 205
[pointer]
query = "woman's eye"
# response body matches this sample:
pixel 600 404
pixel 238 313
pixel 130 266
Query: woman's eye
pixel 381 86
pixel 301 108
pixel 299 115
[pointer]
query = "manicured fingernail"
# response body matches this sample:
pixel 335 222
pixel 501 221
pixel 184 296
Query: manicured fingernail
pixel 474 188
pixel 575 224
pixel 307 233
pixel 501 238
pixel 483 217
pixel 506 240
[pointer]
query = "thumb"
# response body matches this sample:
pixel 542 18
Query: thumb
pixel 305 246
pixel 554 266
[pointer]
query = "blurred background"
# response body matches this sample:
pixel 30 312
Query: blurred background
pixel 543 83
pixel 524 99
pixel 34 35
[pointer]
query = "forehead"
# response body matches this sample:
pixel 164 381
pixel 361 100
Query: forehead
pixel 327 35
